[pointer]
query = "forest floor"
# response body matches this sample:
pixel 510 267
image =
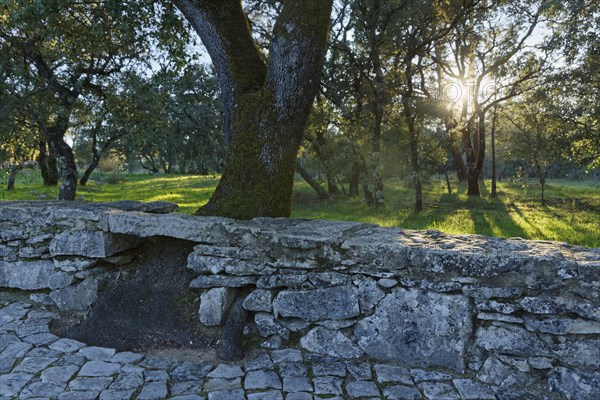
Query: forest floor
pixel 571 212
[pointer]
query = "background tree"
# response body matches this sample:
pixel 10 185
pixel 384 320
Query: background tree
pixel 265 101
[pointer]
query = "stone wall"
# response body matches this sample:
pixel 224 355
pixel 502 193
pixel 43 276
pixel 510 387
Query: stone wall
pixel 508 312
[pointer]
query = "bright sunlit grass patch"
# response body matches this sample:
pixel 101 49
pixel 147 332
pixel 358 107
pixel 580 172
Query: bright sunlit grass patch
pixel 571 212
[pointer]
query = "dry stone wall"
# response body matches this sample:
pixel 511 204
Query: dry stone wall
pixel 508 312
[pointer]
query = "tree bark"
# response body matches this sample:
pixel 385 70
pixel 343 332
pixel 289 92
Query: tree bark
pixel 66 162
pixel 88 171
pixel 265 105
pixel 494 193
pixel 47 163
pixel 11 177
pixel 354 179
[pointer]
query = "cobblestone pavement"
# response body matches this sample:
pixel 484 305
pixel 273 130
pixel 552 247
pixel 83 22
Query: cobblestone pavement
pixel 34 363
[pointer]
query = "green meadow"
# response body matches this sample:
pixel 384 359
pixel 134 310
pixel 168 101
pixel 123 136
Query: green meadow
pixel 570 214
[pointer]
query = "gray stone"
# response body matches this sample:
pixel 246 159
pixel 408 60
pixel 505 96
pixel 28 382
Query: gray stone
pixel 219 281
pixel 214 304
pixel 259 300
pixel 439 391
pixel 361 371
pixel 99 368
pixel 387 282
pixel 127 380
pixel 268 395
pixel 43 390
pixel 547 304
pixel 327 385
pixel 77 297
pixel 153 391
pixel 509 339
pixel 499 317
pixel 190 371
pixel 179 226
pixel 492 292
pixel 327 342
pixel 74 264
pixel 272 343
pixel 495 306
pixel 330 367
pixel 66 345
pixel 267 326
pixel 97 383
pixel 12 384
pixel 33 365
pixel 187 397
pixel 358 389
pixel 81 394
pixel 328 279
pixel 470 389
pixel 26 275
pixel 182 388
pixel 262 361
pixel 126 357
pixel 299 396
pixel 579 352
pixel 495 372
pixel 297 384
pixel 96 353
pixel 399 392
pixel 391 373
pixel 203 264
pixel 422 329
pixel 292 369
pixel 226 371
pixel 115 395
pixel 286 356
pixel 420 375
pixel 237 394
pixel 538 362
pixel 218 384
pixel 563 326
pixel 94 244
pixel 156 376
pixel 288 281
pixel 262 379
pixel 368 294
pixel 338 302
pixel 575 384
pixel 62 374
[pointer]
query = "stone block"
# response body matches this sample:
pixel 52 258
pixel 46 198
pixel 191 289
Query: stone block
pixel 214 304
pixel 419 328
pixel 26 275
pixel 575 384
pixel 327 342
pixel 91 244
pixel 338 302
pixel 259 300
pixel 77 297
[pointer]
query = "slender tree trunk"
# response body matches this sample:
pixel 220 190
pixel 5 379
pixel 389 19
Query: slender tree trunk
pixel 266 106
pixel 494 193
pixel 414 161
pixel 448 185
pixel 475 156
pixel 454 150
pixel 354 179
pixel 318 147
pixel 313 184
pixel 88 171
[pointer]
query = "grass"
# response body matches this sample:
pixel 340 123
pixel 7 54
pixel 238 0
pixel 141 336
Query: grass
pixel 571 212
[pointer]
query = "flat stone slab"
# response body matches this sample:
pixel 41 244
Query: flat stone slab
pixel 420 328
pixel 317 305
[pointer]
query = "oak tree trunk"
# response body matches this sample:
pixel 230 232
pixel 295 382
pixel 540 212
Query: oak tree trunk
pixel 47 162
pixel 66 162
pixel 265 103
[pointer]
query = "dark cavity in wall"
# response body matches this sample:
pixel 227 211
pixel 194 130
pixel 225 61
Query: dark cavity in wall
pixel 153 309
